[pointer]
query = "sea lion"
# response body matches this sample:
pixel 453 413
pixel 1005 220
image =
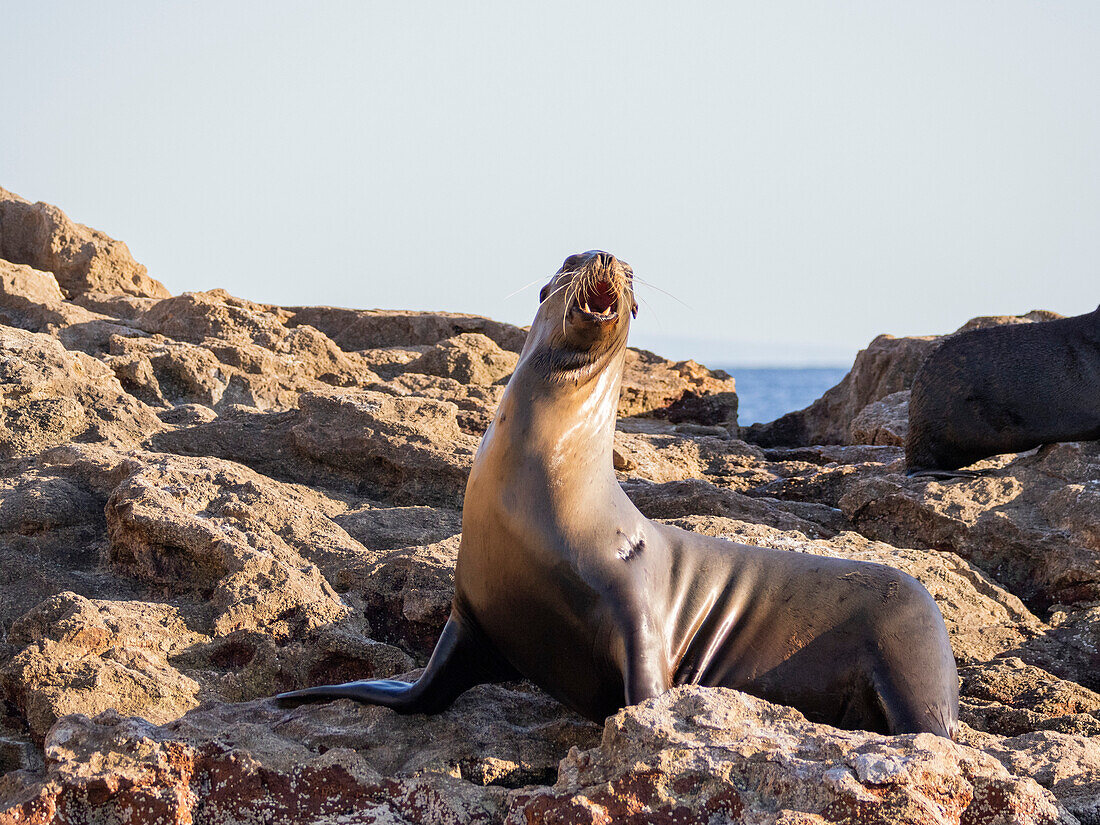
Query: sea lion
pixel 1004 389
pixel 562 580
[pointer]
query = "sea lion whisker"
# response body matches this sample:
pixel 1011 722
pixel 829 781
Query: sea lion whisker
pixel 570 296
pixel 525 286
pixel 649 306
pixel 665 291
pixel 555 292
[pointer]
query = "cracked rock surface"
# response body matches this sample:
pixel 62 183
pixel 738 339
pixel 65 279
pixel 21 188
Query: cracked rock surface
pixel 206 500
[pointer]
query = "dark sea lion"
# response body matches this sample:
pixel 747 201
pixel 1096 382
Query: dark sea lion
pixel 1004 389
pixel 561 580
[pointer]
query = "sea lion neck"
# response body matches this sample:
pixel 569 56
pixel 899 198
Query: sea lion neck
pixel 568 414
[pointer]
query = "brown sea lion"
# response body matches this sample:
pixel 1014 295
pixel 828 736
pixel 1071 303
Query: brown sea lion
pixel 1004 389
pixel 561 580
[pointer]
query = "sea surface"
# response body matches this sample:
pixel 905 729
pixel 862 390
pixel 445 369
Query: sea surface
pixel 765 393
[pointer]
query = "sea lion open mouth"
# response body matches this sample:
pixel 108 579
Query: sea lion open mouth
pixel 599 284
pixel 598 301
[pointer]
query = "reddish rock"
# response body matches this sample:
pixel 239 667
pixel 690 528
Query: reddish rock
pixel 699 755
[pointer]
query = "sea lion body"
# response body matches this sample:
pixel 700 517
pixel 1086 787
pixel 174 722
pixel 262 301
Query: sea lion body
pixel 1005 389
pixel 562 580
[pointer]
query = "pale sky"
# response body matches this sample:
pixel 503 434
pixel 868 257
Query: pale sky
pixel 801 175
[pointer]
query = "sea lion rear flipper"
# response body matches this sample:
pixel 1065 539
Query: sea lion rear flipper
pixel 462 658
pixel 943 475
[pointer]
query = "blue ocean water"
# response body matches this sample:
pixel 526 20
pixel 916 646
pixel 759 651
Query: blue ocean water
pixel 765 393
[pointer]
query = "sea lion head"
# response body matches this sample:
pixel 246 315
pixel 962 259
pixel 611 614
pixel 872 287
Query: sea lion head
pixel 585 309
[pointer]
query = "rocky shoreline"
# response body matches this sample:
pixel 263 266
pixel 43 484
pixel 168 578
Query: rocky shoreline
pixel 206 500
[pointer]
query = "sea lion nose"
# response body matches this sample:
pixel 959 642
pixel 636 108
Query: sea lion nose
pixel 600 258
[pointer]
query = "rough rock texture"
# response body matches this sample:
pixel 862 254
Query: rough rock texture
pixel 207 500
pixel 50 395
pixel 83 259
pixel 699 756
pixel 469 358
pixel 884 422
pixel 1033 523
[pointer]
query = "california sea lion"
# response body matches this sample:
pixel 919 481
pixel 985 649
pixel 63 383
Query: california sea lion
pixel 1004 389
pixel 560 579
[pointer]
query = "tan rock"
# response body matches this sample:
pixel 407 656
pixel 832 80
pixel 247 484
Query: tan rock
pixel 700 755
pixel 1030 522
pixel 160 371
pixel 887 366
pixel 220 531
pixel 1007 696
pixel 477 403
pixel 30 299
pixel 51 531
pixel 884 422
pixel 407 594
pixel 1069 766
pixel 684 390
pixel 363 329
pixel 409 450
pixel 469 358
pixel 1069 648
pixel 83 259
pixel 393 528
pixel 210 345
pixel 49 395
pixel 983 321
pixel 81 655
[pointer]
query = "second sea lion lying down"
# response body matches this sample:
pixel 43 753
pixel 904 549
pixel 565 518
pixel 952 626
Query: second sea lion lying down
pixel 1004 389
pixel 560 579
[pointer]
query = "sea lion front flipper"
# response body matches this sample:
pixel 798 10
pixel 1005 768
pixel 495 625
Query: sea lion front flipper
pixel 462 658
pixel 644 673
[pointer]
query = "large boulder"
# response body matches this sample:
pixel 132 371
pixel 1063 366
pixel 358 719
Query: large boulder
pixel 82 259
pixel 699 755
pixel 362 329
pixel 887 366
pixel 1033 523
